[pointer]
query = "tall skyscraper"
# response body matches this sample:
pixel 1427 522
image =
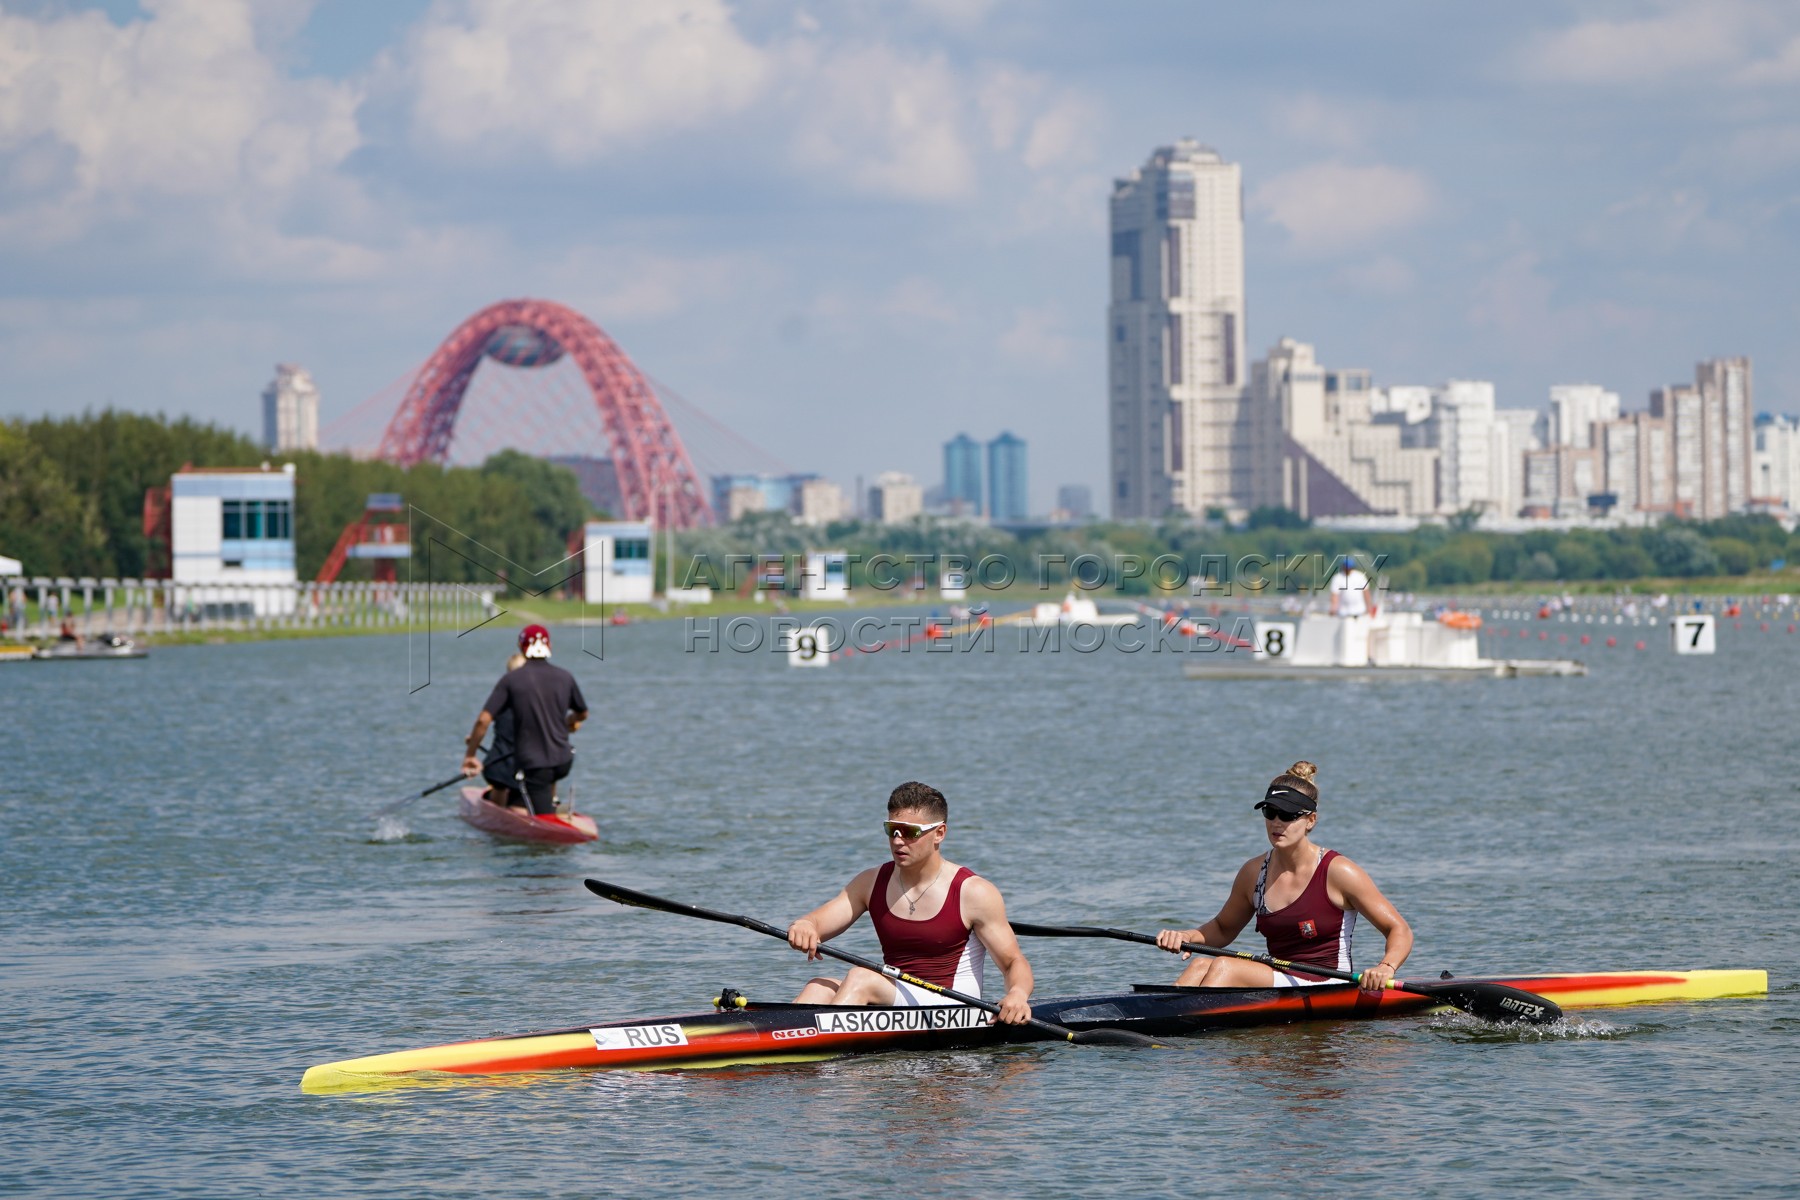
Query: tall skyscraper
pixel 962 475
pixel 1178 413
pixel 1008 497
pixel 291 410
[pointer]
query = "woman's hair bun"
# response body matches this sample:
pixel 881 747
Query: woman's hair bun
pixel 1303 770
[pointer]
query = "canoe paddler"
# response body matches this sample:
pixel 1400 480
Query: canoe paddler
pixel 935 920
pixel 1305 901
pixel 498 768
pixel 546 707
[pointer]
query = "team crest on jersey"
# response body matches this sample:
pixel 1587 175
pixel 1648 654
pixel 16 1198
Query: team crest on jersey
pixel 1309 929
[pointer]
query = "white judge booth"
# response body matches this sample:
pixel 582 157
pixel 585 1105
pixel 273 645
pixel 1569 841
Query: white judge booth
pixel 618 566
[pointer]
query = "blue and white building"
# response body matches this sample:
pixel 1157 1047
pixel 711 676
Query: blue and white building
pixel 619 565
pixel 234 526
pixel 962 475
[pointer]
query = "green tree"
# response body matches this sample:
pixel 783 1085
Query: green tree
pixel 1678 550
pixel 44 522
pixel 1735 555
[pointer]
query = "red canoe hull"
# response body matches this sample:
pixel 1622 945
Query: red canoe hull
pixel 505 823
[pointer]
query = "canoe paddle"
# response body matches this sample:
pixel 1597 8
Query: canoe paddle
pixel 396 806
pixel 1085 1037
pixel 1489 1001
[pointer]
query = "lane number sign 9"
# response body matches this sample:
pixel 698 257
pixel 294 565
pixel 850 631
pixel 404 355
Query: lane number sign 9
pixel 1274 639
pixel 810 647
pixel 1693 634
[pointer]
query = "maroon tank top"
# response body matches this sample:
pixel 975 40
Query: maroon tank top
pixel 930 949
pixel 1310 930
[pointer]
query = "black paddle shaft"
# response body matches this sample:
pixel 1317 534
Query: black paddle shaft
pixel 397 805
pixel 636 899
pixel 1490 1001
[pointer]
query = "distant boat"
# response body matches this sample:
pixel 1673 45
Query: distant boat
pixel 107 645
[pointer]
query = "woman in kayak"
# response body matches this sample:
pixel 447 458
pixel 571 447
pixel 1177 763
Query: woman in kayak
pixel 1304 899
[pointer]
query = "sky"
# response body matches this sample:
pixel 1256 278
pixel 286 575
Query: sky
pixel 850 230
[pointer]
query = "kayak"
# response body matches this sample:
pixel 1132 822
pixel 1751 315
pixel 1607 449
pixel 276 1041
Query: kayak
pixel 741 1032
pixel 491 818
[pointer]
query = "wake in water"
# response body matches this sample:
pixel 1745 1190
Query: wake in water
pixel 1464 1026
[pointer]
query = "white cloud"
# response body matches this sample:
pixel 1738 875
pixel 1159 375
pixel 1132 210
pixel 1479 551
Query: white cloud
pixel 577 77
pixel 180 128
pixel 885 123
pixel 1725 40
pixel 919 299
pixel 182 103
pixel 1685 39
pixel 1328 207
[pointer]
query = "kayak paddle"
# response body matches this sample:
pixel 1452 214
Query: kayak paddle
pixel 397 805
pixel 1086 1037
pixel 1489 1001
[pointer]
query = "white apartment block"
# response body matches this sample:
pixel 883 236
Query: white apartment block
pixel 1461 429
pixel 1575 408
pixel 291 410
pixel 818 502
pixel 1775 463
pixel 1711 429
pixel 1515 434
pixel 1638 463
pixel 1178 413
pixel 1315 431
pixel 895 498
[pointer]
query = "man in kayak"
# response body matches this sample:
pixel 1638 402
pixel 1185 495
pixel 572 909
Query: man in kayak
pixel 546 707
pixel 1304 899
pixel 935 920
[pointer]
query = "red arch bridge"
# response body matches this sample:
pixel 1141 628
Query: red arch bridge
pixel 656 478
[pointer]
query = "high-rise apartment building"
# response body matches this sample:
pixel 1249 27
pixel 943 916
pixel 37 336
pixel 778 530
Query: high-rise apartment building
pixel 1461 428
pixel 962 475
pixel 1711 426
pixel 1178 417
pixel 1575 408
pixel 1775 463
pixel 291 410
pixel 1515 435
pixel 1638 463
pixel 1008 496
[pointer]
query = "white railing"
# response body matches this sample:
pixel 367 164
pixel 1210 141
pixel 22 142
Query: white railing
pixel 37 606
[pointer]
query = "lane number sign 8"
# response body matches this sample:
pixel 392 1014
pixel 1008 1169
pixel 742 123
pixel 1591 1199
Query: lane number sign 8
pixel 1693 634
pixel 1274 639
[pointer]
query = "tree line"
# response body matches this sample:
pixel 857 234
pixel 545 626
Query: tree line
pixel 72 498
pixel 1431 556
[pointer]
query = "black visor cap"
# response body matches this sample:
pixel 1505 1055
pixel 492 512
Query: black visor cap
pixel 1286 800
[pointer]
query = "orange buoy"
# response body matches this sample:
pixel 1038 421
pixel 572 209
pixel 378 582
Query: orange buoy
pixel 1611 642
pixel 1459 620
pixel 1639 646
pixel 1585 639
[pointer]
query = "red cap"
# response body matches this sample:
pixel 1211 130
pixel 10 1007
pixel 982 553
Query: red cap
pixel 531 634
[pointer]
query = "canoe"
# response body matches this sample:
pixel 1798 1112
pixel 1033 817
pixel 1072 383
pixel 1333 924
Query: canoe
pixel 504 822
pixel 742 1032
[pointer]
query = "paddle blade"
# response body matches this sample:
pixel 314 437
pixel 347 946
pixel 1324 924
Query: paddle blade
pixel 1116 1037
pixel 1494 1002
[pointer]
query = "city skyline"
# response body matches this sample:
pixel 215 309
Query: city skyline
pixel 338 198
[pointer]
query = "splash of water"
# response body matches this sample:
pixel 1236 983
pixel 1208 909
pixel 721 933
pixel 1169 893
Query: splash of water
pixel 391 829
pixel 1465 1025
